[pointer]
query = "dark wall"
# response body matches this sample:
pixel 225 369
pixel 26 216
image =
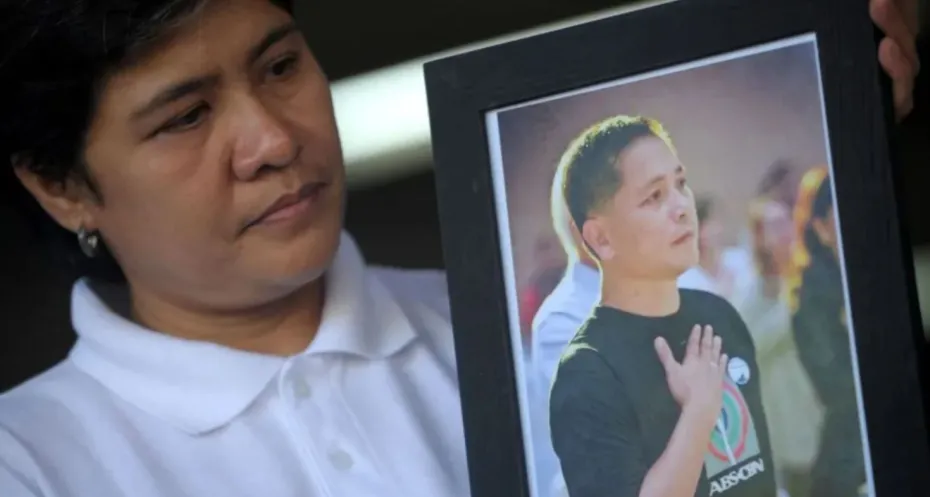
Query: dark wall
pixel 397 224
pixel 353 37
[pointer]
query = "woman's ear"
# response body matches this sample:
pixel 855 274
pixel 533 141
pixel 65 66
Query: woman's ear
pixel 66 202
pixel 823 230
pixel 595 236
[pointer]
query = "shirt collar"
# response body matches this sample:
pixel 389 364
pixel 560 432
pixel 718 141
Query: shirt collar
pixel 201 386
pixel 585 277
pixel 361 317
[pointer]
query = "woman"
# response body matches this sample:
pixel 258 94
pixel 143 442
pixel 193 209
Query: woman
pixel 791 406
pixel 817 302
pixel 231 338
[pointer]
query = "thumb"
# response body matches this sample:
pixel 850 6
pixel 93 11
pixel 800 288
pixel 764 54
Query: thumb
pixel 665 355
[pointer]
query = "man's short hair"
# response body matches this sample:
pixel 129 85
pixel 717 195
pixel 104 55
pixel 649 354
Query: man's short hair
pixel 562 223
pixel 55 56
pixel 588 171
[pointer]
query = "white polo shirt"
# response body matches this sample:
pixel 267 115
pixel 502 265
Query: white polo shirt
pixel 558 318
pixel 371 408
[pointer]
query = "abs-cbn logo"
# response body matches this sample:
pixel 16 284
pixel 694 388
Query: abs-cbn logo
pixel 737 476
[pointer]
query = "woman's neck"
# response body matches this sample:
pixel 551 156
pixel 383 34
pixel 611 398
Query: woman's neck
pixel 284 327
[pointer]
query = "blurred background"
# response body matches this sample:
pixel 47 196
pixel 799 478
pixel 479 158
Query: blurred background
pixel 374 61
pixel 730 121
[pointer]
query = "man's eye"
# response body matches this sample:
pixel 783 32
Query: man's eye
pixel 186 121
pixel 654 197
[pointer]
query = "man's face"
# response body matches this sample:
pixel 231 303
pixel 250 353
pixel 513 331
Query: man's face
pixel 190 147
pixel 648 229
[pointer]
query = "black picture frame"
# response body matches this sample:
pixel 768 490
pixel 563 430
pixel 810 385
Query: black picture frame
pixel 462 88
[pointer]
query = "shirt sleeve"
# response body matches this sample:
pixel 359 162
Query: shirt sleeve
pixel 13 486
pixel 12 456
pixel 745 340
pixel 826 359
pixel 550 339
pixel 594 429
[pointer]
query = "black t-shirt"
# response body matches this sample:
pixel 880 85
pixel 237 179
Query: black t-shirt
pixel 823 339
pixel 612 414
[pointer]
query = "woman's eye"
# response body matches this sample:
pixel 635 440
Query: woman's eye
pixel 186 121
pixel 283 67
pixel 682 183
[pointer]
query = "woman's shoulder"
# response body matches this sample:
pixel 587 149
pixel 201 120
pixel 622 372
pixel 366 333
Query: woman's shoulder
pixel 427 287
pixel 55 400
pixel 423 296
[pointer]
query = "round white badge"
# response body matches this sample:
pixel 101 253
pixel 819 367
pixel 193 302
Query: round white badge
pixel 738 370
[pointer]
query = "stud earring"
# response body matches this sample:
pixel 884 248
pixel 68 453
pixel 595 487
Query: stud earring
pixel 89 241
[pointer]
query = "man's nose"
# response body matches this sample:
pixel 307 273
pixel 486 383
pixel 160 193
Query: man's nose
pixel 682 205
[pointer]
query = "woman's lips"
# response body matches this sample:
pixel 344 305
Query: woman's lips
pixel 291 206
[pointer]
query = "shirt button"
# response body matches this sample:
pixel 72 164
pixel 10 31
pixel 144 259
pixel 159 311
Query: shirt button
pixel 340 459
pixel 301 390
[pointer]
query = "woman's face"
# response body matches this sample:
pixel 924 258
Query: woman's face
pixel 777 233
pixel 193 145
pixel 826 230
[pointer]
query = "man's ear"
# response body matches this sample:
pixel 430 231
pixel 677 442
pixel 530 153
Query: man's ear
pixel 66 202
pixel 595 236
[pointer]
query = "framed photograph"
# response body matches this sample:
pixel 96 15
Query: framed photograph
pixel 676 260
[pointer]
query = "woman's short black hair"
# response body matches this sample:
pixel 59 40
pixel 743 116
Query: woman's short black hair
pixel 55 56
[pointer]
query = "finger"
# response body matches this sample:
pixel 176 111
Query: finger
pixel 716 348
pixel 692 349
pixel 891 20
pixel 723 365
pixel 707 343
pixel 908 9
pixel 902 76
pixel 903 99
pixel 894 61
pixel 665 355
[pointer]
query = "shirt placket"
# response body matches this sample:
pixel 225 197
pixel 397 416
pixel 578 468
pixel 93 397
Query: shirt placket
pixel 340 454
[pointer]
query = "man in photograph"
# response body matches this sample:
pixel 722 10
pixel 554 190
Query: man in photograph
pixel 658 392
